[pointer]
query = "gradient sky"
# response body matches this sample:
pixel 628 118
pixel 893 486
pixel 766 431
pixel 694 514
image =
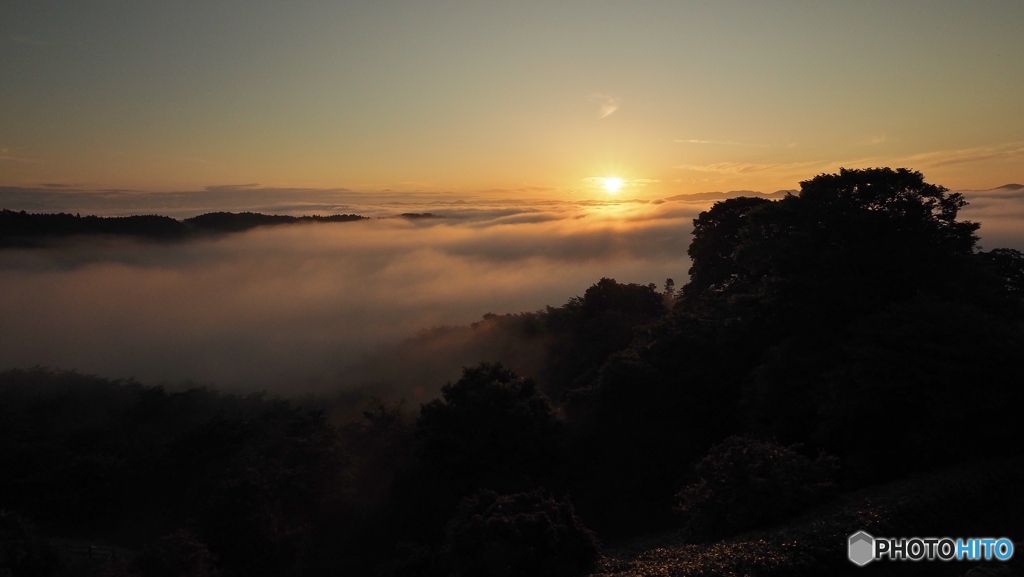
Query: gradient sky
pixel 526 98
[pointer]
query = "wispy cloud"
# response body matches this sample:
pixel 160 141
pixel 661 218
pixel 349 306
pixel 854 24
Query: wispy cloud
pixel 937 158
pixel 58 185
pixel 979 155
pixel 607 105
pixel 722 142
pixel 526 188
pixel 745 167
pixel 232 187
pixel 7 155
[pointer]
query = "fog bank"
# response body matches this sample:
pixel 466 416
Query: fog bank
pixel 289 307
pixel 312 306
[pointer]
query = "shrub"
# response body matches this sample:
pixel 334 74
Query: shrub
pixel 744 483
pixel 521 534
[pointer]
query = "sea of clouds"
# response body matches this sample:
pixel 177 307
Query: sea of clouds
pixel 286 306
pixel 289 307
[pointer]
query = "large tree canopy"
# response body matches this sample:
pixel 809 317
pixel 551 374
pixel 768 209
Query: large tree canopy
pixel 864 286
pixel 847 243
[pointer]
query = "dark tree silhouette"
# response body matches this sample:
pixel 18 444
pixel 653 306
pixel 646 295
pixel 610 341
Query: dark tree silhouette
pixel 858 241
pixel 848 243
pixel 591 328
pixel 716 239
pixel 492 429
pixel 807 274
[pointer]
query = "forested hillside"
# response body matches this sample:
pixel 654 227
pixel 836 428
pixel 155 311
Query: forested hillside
pixel 841 358
pixel 27 230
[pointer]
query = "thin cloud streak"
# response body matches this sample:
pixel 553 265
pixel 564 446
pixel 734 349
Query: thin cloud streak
pixel 979 155
pixel 232 187
pixel 723 142
pixel 745 167
pixel 607 105
pixel 940 158
pixel 8 156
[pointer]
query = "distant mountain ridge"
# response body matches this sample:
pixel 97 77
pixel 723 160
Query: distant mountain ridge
pixel 31 229
pixel 730 194
pixel 1013 186
pixel 1011 190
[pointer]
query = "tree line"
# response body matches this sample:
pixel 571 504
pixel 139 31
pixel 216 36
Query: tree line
pixel 35 229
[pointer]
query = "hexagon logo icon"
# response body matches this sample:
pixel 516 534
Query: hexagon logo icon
pixel 861 548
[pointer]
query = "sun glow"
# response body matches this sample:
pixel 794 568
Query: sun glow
pixel 612 185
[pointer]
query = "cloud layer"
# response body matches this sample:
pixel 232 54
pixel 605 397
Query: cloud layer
pixel 304 306
pixel 289 307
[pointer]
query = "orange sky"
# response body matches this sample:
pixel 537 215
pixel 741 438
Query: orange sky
pixel 531 99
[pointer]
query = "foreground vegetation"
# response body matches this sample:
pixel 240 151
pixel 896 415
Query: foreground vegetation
pixel 972 499
pixel 841 359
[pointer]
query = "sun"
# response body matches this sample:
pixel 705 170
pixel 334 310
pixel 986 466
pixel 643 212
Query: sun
pixel 612 185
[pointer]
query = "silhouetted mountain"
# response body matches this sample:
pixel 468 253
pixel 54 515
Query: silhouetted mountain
pixel 26 229
pixel 20 228
pixel 730 194
pixel 1004 191
pixel 236 222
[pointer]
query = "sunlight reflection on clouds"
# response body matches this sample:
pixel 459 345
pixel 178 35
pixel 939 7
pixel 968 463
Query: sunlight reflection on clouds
pixel 279 306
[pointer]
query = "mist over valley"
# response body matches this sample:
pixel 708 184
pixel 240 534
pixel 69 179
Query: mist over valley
pixel 288 308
